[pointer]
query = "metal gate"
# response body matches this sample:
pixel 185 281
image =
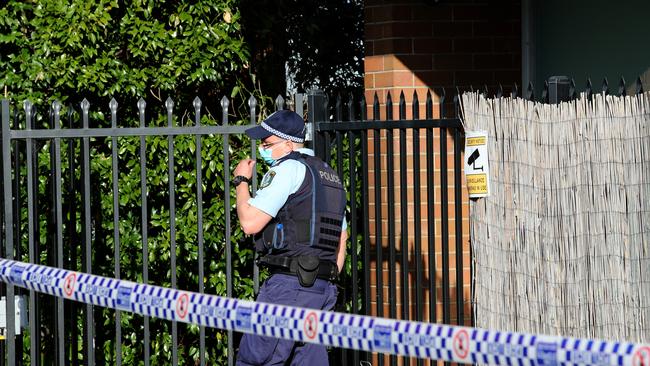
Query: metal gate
pixel 381 171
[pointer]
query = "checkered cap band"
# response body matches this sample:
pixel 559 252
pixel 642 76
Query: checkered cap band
pixel 282 135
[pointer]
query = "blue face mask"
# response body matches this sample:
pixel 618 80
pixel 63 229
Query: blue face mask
pixel 265 154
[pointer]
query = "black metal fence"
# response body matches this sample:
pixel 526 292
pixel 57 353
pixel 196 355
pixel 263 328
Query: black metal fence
pixel 51 215
pixel 70 237
pixel 558 89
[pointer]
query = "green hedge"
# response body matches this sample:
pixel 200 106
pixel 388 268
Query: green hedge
pixel 72 49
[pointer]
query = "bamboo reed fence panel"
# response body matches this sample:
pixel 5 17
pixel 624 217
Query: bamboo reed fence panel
pixel 562 244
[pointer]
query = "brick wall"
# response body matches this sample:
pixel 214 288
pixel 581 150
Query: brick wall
pixel 413 45
pixel 416 46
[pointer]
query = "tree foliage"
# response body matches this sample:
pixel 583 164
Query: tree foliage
pixel 73 49
pixel 319 43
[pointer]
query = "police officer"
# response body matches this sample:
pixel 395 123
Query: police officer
pixel 297 219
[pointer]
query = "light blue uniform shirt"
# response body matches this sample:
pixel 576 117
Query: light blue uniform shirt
pixel 281 181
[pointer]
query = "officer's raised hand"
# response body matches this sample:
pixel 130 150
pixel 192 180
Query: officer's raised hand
pixel 252 219
pixel 245 168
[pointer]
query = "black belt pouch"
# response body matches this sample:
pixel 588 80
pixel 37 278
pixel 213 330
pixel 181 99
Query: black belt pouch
pixel 307 270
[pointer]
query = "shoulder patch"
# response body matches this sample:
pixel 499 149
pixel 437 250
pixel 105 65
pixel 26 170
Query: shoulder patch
pixel 268 178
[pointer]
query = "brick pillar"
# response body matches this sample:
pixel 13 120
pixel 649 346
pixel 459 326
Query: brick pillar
pixel 413 46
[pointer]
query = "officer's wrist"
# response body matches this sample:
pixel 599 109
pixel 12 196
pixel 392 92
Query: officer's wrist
pixel 240 179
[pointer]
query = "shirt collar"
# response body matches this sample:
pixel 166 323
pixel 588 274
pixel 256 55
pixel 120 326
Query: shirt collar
pixel 306 151
pixel 303 150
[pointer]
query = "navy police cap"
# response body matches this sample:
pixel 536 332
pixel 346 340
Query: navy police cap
pixel 284 124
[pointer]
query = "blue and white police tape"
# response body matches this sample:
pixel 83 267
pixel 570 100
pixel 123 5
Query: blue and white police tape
pixel 408 338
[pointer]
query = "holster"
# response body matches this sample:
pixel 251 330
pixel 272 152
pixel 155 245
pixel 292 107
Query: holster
pixel 306 268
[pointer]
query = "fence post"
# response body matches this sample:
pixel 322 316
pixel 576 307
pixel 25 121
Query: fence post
pixel 315 113
pixel 10 342
pixel 298 106
pixel 559 89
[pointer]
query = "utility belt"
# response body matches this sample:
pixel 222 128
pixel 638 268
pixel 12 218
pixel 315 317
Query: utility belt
pixel 306 268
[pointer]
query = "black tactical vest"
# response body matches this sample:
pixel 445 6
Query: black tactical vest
pixel 310 221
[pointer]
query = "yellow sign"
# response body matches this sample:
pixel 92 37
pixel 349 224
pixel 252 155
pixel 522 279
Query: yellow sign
pixel 476 141
pixel 477 184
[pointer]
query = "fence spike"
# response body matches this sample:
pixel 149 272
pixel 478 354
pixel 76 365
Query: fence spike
pixel 621 87
pixel 515 91
pixel 339 107
pixel 225 103
pixel 169 104
pixel 350 105
pixel 85 105
pixel 56 106
pixel 441 106
pixel 639 85
pixel 415 97
pixel 197 103
pixel 141 105
pixel 429 105
pixel 456 102
pixel 389 106
pixel 112 105
pixel 605 86
pixel 572 89
pixel 70 113
pixel 56 112
pixel 499 93
pixel 589 89
pixel 485 90
pixel 27 106
pixel 402 105
pixel 415 106
pixel 545 92
pixel 326 106
pixel 363 107
pixel 375 107
pixel 279 103
pixel 530 92
pixel 252 108
pixel 326 102
pixel 252 102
